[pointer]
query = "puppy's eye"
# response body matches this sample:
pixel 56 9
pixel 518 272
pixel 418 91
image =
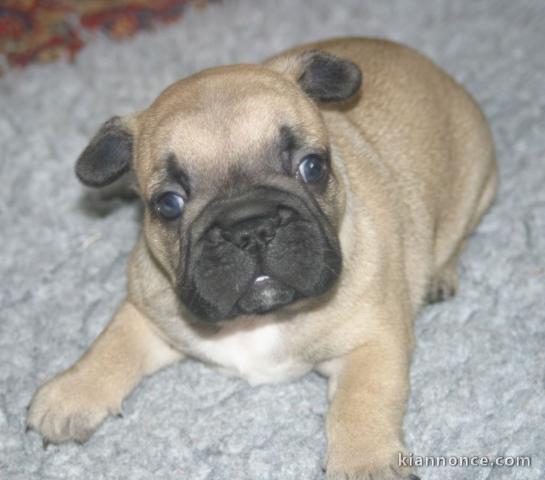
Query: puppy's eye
pixel 170 205
pixel 312 168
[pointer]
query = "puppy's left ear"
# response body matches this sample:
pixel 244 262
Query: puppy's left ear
pixel 321 75
pixel 109 154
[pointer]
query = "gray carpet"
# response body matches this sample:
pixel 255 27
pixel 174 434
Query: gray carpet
pixel 478 377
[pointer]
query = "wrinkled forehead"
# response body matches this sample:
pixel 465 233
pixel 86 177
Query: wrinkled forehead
pixel 227 118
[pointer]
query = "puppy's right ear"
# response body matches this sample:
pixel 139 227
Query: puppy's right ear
pixel 108 155
pixel 324 77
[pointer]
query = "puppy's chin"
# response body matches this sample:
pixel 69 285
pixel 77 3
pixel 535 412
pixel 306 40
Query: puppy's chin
pixel 263 293
pixel 266 294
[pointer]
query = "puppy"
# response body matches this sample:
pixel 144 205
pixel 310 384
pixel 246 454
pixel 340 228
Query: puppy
pixel 295 218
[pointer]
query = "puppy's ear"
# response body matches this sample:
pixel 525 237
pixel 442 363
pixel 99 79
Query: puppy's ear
pixel 322 76
pixel 328 78
pixel 108 155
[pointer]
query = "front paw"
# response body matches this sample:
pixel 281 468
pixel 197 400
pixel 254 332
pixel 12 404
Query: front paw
pixel 388 472
pixel 70 407
pixel 359 469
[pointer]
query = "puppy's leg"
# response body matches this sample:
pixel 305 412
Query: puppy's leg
pixel 364 423
pixel 73 404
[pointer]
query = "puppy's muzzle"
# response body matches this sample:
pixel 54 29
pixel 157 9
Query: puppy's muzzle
pixel 256 253
pixel 252 227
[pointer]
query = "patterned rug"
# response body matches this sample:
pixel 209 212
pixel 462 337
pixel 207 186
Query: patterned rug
pixel 45 30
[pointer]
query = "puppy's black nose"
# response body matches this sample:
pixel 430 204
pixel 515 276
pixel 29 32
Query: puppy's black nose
pixel 255 233
pixel 250 225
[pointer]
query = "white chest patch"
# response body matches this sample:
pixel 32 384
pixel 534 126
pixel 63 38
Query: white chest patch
pixel 255 353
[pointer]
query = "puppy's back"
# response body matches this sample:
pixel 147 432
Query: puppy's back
pixel 434 140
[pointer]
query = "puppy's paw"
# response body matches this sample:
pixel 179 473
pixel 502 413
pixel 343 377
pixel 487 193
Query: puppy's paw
pixel 69 407
pixel 368 464
pixel 387 472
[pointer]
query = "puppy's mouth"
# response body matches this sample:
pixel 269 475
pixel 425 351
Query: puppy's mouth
pixel 265 294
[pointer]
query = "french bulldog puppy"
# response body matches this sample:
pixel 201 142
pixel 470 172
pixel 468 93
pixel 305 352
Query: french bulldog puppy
pixel 295 218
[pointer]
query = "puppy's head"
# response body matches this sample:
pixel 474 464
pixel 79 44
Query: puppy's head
pixel 234 166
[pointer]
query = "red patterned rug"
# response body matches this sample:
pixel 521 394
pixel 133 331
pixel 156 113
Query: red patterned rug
pixel 44 30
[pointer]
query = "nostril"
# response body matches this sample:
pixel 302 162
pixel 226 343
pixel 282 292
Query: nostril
pixel 214 234
pixel 243 240
pixel 265 233
pixel 226 235
pixel 286 215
